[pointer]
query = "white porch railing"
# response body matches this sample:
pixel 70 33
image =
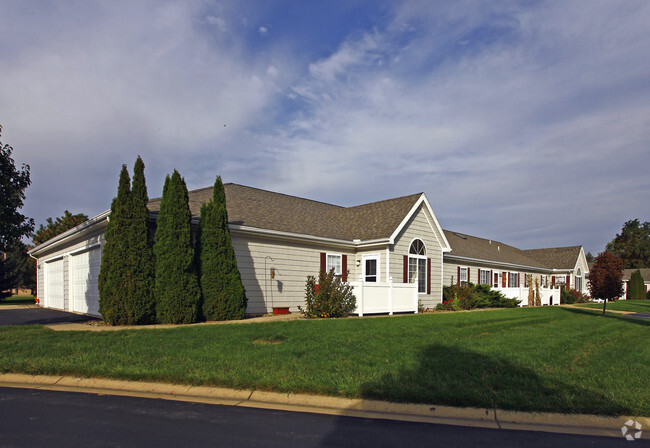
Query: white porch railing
pixel 549 296
pixel 385 297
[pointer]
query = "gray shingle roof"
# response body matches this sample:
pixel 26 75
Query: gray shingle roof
pixel 253 207
pixel 645 273
pixel 468 246
pixel 556 257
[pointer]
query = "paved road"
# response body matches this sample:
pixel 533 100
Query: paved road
pixel 639 315
pixel 38 418
pixel 39 316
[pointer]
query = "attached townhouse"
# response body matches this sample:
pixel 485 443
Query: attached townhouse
pixel 393 252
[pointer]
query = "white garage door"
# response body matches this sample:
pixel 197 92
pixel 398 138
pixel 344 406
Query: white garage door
pixel 84 272
pixel 54 297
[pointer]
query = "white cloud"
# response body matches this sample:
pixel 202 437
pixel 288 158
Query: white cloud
pixel 524 123
pixel 535 128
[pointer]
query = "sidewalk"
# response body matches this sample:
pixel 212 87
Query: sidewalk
pixel 474 417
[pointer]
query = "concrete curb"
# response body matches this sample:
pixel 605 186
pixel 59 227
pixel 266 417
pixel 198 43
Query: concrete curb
pixel 474 417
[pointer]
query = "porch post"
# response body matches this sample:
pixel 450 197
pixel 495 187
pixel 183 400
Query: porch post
pixel 416 294
pixel 360 298
pixel 390 296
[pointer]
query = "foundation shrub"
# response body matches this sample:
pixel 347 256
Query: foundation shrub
pixel 330 297
pixel 472 296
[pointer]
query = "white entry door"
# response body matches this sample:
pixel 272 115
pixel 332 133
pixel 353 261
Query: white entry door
pixel 84 273
pixel 371 268
pixel 54 297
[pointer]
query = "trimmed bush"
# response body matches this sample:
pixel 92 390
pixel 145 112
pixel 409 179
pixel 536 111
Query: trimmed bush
pixel 636 287
pixel 329 298
pixel 472 296
pixel 224 297
pixel 570 296
pixel 176 287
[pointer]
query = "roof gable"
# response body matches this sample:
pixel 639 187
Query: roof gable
pixel 557 257
pixel 262 209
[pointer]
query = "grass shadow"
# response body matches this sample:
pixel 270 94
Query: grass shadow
pixel 599 313
pixel 456 377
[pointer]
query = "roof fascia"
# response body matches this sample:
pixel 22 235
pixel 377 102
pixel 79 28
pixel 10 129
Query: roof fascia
pixel 277 234
pixel 446 247
pixel 71 233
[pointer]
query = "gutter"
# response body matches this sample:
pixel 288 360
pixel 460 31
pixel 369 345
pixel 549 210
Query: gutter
pixel 69 233
pixel 499 263
pixel 290 235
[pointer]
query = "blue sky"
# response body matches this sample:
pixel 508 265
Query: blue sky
pixel 526 122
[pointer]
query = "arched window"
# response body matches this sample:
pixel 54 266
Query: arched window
pixel 418 265
pixel 418 248
pixel 578 284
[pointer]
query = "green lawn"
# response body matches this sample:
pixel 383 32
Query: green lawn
pixel 533 359
pixel 635 306
pixel 18 300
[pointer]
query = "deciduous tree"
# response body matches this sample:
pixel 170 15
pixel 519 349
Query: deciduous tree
pixel 13 182
pixel 632 244
pixel 606 278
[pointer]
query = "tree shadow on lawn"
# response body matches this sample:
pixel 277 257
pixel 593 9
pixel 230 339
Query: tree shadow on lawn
pixel 455 377
pixel 598 314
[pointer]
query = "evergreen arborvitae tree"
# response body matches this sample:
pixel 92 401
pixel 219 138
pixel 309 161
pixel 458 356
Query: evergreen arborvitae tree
pixel 113 269
pixel 636 288
pixel 224 297
pixel 176 287
pixel 139 296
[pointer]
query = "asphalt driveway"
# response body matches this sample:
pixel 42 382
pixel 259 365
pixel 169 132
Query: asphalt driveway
pixel 38 316
pixel 639 315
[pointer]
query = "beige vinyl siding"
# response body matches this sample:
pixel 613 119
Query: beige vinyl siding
pixel 292 263
pixel 40 279
pixel 356 271
pixel 451 271
pixel 419 226
pixel 584 269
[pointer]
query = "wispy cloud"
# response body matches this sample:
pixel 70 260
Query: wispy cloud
pixel 524 122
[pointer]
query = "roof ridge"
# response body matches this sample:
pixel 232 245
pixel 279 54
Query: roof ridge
pixel 558 247
pixel 480 238
pixel 386 200
pixel 283 194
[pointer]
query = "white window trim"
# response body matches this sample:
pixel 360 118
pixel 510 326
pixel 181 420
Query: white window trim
pixel 418 257
pixel 486 272
pixel 327 263
pixel 363 265
pixel 463 271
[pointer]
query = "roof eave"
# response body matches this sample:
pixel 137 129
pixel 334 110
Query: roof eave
pixel 498 263
pixel 69 234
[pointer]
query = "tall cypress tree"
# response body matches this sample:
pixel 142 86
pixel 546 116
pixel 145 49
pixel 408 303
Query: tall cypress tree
pixel 113 269
pixel 224 297
pixel 176 287
pixel 140 302
pixel 636 286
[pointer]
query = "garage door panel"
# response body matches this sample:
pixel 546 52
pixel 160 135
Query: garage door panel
pixel 54 284
pixel 84 293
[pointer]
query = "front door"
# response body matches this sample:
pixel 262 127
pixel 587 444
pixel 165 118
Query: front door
pixel 371 268
pixel 495 280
